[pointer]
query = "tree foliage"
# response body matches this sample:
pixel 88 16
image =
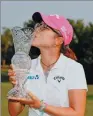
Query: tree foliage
pixel 82 44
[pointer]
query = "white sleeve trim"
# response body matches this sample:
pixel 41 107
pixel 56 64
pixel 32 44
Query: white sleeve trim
pixel 76 76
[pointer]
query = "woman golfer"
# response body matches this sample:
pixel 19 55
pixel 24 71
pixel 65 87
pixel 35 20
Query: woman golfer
pixel 60 89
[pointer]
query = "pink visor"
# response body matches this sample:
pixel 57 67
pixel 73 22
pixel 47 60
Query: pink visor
pixel 56 22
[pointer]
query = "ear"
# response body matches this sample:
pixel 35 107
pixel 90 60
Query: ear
pixel 59 40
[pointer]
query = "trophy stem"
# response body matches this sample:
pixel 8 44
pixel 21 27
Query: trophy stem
pixel 19 89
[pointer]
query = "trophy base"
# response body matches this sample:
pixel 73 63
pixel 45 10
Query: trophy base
pixel 18 92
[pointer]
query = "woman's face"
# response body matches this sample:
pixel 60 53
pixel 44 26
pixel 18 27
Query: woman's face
pixel 43 36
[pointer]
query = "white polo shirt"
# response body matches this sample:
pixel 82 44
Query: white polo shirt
pixel 65 75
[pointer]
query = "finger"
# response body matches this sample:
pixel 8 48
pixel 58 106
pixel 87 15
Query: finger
pixel 12 78
pixel 31 105
pixel 25 101
pixel 11 66
pixel 11 73
pixel 33 97
pixel 14 98
pixel 11 69
pixel 22 100
pixel 12 81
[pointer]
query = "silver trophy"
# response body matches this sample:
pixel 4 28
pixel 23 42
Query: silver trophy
pixel 21 61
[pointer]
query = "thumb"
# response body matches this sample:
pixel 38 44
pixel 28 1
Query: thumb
pixel 33 97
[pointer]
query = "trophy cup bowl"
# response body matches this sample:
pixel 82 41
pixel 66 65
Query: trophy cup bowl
pixel 21 61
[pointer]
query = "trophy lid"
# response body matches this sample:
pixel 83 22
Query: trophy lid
pixel 22 38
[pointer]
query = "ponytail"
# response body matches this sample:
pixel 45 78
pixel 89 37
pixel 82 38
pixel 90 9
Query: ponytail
pixel 68 52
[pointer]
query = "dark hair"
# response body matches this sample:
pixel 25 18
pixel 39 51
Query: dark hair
pixel 68 52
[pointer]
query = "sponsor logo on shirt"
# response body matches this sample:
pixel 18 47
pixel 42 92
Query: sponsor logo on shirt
pixel 33 77
pixel 59 78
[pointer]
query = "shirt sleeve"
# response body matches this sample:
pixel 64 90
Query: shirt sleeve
pixel 76 77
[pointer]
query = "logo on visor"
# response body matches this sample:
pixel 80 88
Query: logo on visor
pixel 57 16
pixel 59 78
pixel 64 30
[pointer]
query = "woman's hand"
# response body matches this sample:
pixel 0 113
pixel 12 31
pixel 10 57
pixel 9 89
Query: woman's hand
pixel 34 102
pixel 12 75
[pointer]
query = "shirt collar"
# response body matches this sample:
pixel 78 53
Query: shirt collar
pixel 60 63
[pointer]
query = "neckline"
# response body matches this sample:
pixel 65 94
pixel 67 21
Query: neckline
pixel 57 64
